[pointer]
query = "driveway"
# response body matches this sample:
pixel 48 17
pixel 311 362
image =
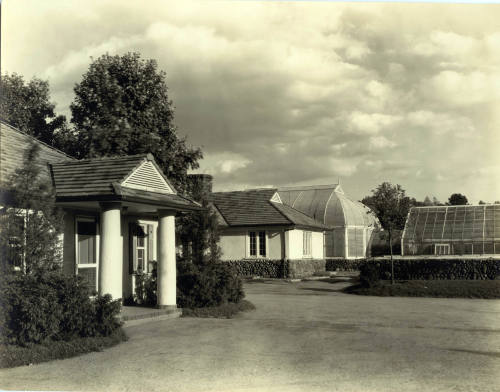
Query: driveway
pixel 303 336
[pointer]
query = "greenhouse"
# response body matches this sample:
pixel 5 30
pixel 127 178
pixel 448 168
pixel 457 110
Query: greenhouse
pixel 452 230
pixel 351 222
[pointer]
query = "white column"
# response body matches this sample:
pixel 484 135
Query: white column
pixel 167 274
pixel 111 251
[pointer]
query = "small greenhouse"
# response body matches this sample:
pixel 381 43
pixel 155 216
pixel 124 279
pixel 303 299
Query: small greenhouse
pixel 351 222
pixel 452 230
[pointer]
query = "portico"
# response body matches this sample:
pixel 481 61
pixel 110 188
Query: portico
pixel 119 221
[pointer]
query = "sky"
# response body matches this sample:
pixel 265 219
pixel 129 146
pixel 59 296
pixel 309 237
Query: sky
pixel 297 93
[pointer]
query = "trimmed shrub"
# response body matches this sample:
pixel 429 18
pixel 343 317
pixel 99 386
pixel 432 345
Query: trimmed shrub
pixel 369 275
pixel 207 285
pixel 344 264
pixel 52 306
pixel 301 268
pixel 264 268
pixel 438 268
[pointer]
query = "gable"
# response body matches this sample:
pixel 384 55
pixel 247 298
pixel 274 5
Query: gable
pixel 147 177
pixel 276 198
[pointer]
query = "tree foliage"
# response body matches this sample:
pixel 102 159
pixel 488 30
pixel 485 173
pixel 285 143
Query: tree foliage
pixel 457 199
pixel 122 107
pixel 391 206
pixel 31 223
pixel 27 106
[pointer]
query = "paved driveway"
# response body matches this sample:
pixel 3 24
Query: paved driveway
pixel 303 337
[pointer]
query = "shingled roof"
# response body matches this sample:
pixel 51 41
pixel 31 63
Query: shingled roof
pixel 254 208
pixel 13 145
pixel 105 179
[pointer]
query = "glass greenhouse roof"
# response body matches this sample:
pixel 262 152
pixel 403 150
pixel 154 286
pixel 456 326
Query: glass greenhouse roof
pixel 453 223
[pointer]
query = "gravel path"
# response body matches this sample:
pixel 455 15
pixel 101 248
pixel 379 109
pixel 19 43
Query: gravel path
pixel 304 336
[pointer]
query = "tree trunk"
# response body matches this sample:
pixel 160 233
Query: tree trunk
pixel 392 260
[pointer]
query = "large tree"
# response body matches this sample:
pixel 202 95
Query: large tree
pixel 27 106
pixel 391 205
pixel 122 107
pixel 457 199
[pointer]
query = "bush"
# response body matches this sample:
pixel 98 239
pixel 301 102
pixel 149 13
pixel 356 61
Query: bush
pixel 344 264
pixel 369 275
pixel 52 306
pixel 436 268
pixel 207 285
pixel 263 268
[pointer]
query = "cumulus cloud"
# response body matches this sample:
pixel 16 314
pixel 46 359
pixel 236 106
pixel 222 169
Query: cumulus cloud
pixel 298 93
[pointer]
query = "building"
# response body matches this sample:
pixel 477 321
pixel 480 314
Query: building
pixel 452 230
pixel 119 214
pixel 351 224
pixel 256 224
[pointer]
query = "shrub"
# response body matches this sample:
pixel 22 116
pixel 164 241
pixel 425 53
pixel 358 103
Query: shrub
pixel 266 268
pixel 369 274
pixel 344 264
pixel 207 285
pixel 52 306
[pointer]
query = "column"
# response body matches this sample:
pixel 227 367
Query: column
pixel 111 251
pixel 167 274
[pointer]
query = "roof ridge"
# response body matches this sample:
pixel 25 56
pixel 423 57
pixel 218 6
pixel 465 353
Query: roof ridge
pixel 281 212
pixel 34 138
pixel 307 187
pixel 111 158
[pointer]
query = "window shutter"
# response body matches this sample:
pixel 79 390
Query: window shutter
pixel 132 230
pixel 150 243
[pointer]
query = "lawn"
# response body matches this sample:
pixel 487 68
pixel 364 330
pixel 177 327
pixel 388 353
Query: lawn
pixel 485 289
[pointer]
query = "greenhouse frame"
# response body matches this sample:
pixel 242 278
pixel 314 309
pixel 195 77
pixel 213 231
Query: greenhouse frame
pixel 452 230
pixel 351 223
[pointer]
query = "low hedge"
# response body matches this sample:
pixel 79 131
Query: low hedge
pixel 344 264
pixel 437 268
pixel 265 268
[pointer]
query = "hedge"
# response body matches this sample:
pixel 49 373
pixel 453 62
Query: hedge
pixel 265 268
pixel 438 268
pixel 344 264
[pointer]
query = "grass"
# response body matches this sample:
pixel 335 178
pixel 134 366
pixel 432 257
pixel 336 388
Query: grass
pixel 228 310
pixel 11 355
pixel 485 289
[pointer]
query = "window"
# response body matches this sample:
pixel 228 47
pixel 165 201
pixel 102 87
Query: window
pixel 442 249
pixel 141 247
pixel 87 250
pixel 257 243
pixel 306 243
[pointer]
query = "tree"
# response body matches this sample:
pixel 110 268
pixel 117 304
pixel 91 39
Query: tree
pixel 199 231
pixel 481 202
pixel 122 107
pixel 31 223
pixel 457 199
pixel 391 205
pixel 427 201
pixel 27 106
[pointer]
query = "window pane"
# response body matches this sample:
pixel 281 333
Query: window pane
pixel 86 242
pixel 253 243
pixel 89 276
pixel 140 259
pixel 262 243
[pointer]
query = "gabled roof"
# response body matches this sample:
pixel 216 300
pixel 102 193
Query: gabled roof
pixel 128 178
pixel 14 143
pixel 254 208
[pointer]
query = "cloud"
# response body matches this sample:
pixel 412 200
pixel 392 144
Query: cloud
pixel 298 93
